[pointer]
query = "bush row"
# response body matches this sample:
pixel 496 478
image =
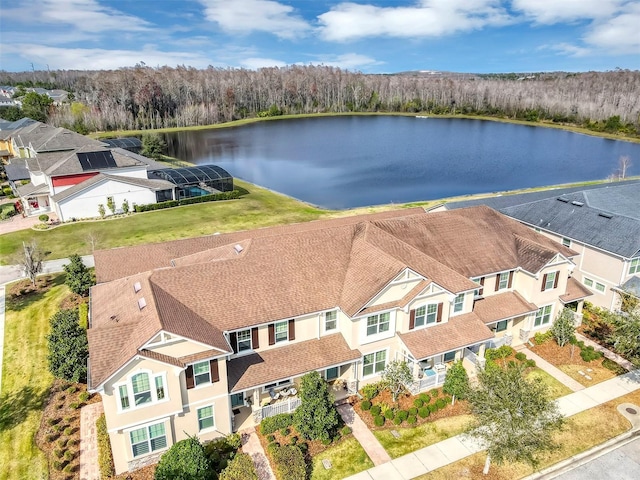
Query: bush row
pixel 188 201
pixel 105 458
pixel 422 408
pixel 270 425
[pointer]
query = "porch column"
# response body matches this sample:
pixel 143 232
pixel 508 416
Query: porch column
pixel 482 349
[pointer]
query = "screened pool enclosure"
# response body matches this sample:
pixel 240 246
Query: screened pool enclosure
pixel 196 181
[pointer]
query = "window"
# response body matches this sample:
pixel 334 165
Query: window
pixel 124 397
pixel 501 326
pixel 141 388
pixel 549 281
pixel 374 363
pixel 503 281
pixel 159 388
pixel 600 287
pixel 205 418
pixel 458 303
pixel 148 439
pixel 202 372
pixel 244 340
pixel 426 314
pixel 282 331
pixel 330 321
pixel 449 357
pixel 635 266
pixel 543 316
pixel 281 383
pixel 332 373
pixel 378 324
pixel 587 281
pixel 566 242
pixel 478 291
pixel 237 400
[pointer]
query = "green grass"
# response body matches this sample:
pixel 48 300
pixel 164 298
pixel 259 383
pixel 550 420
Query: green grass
pixel 412 439
pixel 556 389
pixel 26 381
pixel 347 458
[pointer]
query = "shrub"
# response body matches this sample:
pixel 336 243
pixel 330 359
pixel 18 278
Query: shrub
pixel 424 412
pixel 50 437
pixel 369 392
pixel 496 353
pixel 326 441
pixel 68 468
pixel 58 453
pixel 275 423
pixel 74 405
pixel 316 417
pixel 433 407
pixel 397 420
pixel 304 446
pixel 68 348
pixel 68 431
pixel 72 389
pixel 78 278
pixel 540 338
pixel 83 315
pixel 389 414
pixel 346 430
pixel 188 201
pixel 441 403
pixel 43 218
pixel 185 459
pixel 84 396
pixel 62 442
pixel 52 421
pixel 530 363
pixel 68 455
pixel 378 421
pixel 289 462
pixel 521 357
pixel 105 458
pixel 434 393
pixel 589 354
pixel 285 431
pixel 365 405
pixel 271 438
pixel 412 420
pixel 375 410
pixel 239 468
pixel 234 441
pixel 403 414
pixel 56 428
pixel 293 440
pixel 413 411
pixel 424 397
pixel 57 464
pixel 613 366
pixel 418 402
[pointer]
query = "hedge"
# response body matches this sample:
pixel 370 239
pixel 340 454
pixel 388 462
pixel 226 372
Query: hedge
pixel 289 461
pixel 272 424
pixel 188 201
pixel 105 458
pixel 83 315
pixel 240 468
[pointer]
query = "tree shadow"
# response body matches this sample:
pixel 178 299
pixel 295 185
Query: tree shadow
pixel 15 406
pixel 24 296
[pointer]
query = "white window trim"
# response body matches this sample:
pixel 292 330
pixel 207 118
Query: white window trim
pixel 130 394
pixel 213 416
pixel 324 373
pixel 506 285
pixel 364 338
pixel 374 373
pixel 594 285
pixel 637 267
pixel 204 384
pixel 543 325
pixel 147 427
pixel 244 400
pixel 453 309
pixel 551 278
pixel 277 385
pixel 275 333
pixel 324 322
pixel 426 315
pixel 248 350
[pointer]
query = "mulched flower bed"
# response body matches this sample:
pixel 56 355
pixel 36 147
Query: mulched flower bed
pixel 59 433
pixel 405 402
pixel 557 355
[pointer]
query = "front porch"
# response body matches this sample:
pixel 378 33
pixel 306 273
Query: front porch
pixel 34 199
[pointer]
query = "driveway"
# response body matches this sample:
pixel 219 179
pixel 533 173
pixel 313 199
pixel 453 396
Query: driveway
pixel 19 222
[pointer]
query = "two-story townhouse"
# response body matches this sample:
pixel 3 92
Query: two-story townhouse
pixel 207 336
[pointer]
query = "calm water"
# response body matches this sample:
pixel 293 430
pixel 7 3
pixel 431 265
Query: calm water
pixel 343 162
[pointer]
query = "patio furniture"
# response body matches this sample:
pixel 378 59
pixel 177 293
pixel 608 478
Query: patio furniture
pixel 273 394
pixel 284 393
pixel 293 391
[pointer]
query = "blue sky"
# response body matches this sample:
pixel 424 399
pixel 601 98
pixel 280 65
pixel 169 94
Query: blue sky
pixel 371 36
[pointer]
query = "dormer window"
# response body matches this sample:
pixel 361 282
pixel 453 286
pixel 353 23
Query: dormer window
pixel 141 389
pixel 244 340
pixel 458 303
pixel 330 321
pixel 550 281
pixel 504 280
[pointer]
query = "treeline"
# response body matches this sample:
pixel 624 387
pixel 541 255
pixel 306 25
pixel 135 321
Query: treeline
pixel 145 98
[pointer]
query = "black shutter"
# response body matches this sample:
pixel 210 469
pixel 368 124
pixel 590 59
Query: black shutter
pixel 272 334
pixel 189 377
pixel 510 279
pixel 233 340
pixel 544 282
pixel 215 373
pixel 255 342
pixel 292 329
pixel 439 317
pixel 555 282
pixel 412 319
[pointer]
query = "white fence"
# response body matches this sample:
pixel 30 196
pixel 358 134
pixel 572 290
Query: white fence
pixel 426 382
pixel 285 406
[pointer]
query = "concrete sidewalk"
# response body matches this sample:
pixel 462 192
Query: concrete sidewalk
pixel 552 370
pixel 456 448
pixel 368 440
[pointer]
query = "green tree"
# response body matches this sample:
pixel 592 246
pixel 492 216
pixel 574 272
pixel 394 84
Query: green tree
pixel 563 329
pixel 68 349
pixel 125 206
pixel 101 210
pixel 153 146
pixel 36 106
pixel 11 113
pixel 515 417
pixel 625 335
pixel 240 468
pixel 79 278
pixel 456 382
pixel 316 418
pixel 185 460
pixel 395 377
pixel 111 205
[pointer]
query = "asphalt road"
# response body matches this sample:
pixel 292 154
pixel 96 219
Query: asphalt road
pixel 623 463
pixel 10 273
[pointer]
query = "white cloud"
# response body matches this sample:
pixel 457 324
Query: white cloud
pixel 102 59
pixel 256 63
pixel 426 18
pixel 81 15
pixel 568 49
pixel 556 11
pixel 349 61
pixel 246 16
pixel 619 34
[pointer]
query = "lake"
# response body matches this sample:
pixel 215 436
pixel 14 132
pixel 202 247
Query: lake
pixel 354 161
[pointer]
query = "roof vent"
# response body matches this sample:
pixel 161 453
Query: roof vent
pixel 238 248
pixel 605 215
pixel 564 200
pixel 142 303
pixel 137 287
pixel 577 204
pixel 114 318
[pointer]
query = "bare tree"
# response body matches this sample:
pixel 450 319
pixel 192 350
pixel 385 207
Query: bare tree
pixel 93 238
pixel 31 260
pixel 624 163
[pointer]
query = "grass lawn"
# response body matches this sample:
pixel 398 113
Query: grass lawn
pixel 26 380
pixel 598 373
pixel 347 458
pixel 414 438
pixel 582 431
pixel 556 389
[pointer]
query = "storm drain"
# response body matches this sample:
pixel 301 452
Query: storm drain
pixel 632 411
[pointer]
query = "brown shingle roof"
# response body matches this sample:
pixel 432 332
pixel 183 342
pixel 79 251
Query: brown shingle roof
pixel 290 361
pixel 458 332
pixel 502 306
pixel 575 291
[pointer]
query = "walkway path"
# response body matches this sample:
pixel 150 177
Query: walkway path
pixel 458 447
pixel 607 353
pixel 2 302
pixel 251 445
pixel 369 442
pixel 89 469
pixel 552 370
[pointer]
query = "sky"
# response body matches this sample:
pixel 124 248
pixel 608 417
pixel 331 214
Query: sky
pixel 371 36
